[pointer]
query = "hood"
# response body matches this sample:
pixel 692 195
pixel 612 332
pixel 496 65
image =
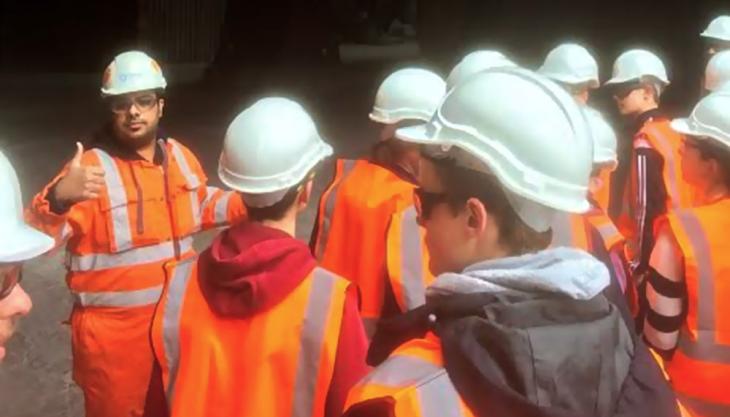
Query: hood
pixel 570 272
pixel 251 267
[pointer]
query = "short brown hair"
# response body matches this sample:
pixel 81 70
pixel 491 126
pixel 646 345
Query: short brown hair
pixel 462 184
pixel 710 149
pixel 278 210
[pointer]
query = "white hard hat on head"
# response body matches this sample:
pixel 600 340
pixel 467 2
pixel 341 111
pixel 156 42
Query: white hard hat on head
pixel 638 65
pixel 718 29
pixel 475 62
pixel 532 136
pixel 408 94
pixel 130 72
pixel 269 148
pixel 710 118
pixel 717 73
pixel 571 64
pixel 604 139
pixel 19 241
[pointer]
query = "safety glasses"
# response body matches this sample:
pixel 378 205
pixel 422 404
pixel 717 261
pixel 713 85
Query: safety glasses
pixel 425 202
pixel 143 103
pixel 621 91
pixel 8 281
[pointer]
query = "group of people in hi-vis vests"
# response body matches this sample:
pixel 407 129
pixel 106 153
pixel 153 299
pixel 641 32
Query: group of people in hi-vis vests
pixel 467 267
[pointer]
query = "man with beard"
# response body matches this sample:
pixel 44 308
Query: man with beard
pixel 124 208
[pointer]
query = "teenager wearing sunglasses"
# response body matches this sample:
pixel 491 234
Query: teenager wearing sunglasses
pixel 19 243
pixel 653 184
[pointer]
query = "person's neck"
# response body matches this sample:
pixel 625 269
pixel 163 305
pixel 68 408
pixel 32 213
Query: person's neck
pixel 712 193
pixel 148 151
pixel 287 225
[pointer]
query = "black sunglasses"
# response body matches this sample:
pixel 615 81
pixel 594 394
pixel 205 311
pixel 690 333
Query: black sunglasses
pixel 623 90
pixel 427 200
pixel 9 280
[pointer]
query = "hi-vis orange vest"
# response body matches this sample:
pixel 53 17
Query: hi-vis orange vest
pixel 700 367
pixel 603 195
pixel 146 215
pixel 278 363
pixel 661 137
pixel 413 380
pixel 367 232
pixel 407 260
pixel 574 230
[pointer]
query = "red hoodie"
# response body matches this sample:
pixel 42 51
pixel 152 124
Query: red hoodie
pixel 251 267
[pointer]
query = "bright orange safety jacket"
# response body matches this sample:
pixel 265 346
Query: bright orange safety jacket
pixel 412 382
pixel 366 230
pixel 116 244
pixel 275 364
pixel 661 137
pixel 700 367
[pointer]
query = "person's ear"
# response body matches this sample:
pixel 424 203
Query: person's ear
pixel 305 195
pixel 477 216
pixel 160 107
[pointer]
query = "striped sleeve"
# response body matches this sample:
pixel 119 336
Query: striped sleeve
pixel 667 302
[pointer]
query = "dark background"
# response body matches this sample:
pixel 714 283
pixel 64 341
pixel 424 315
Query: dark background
pixel 43 36
pixel 81 35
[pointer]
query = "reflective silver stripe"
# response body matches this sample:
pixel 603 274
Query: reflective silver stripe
pixel 608 232
pixel 171 322
pixel 192 179
pixel 118 204
pixel 66 231
pixel 436 394
pixel 414 290
pixel 221 208
pixel 704 348
pixel 704 408
pixel 562 230
pixel 131 257
pixel 329 208
pixel 401 371
pixel 193 182
pixel 439 398
pixel 312 339
pixel 136 298
pixel 670 164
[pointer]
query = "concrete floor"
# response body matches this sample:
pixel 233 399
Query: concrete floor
pixel 40 119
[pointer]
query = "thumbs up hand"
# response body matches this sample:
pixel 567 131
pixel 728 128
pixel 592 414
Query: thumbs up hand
pixel 80 183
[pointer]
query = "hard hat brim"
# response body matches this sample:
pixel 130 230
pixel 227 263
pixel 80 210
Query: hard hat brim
pixel 682 126
pixel 28 243
pixel 707 35
pixel 415 134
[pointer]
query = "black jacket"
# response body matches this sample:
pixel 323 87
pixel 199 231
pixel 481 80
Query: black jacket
pixel 536 355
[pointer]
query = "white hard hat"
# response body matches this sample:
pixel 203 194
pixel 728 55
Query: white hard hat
pixel 717 74
pixel 269 148
pixel 571 64
pixel 531 134
pixel 718 29
pixel 475 62
pixel 638 65
pixel 130 72
pixel 19 241
pixel 710 118
pixel 604 139
pixel 408 94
